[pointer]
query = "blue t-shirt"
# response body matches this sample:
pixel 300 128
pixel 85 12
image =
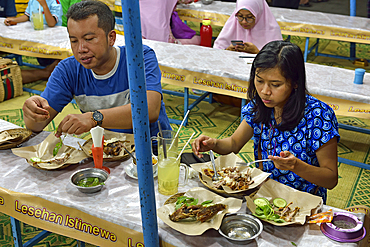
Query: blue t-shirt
pixel 54 6
pixel 317 127
pixel 95 92
pixel 7 8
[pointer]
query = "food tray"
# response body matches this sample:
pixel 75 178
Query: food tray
pixel 239 195
pixel 25 133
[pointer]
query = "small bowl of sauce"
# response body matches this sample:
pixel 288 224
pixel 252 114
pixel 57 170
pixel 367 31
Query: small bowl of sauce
pixel 89 180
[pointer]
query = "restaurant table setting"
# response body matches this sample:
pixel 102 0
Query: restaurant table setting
pixel 118 202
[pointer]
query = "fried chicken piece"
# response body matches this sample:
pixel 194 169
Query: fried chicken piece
pixel 200 212
pixel 113 148
pixel 290 214
pixel 185 212
pixel 209 212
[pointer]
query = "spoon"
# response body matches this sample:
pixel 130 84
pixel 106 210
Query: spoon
pixel 132 156
pixel 252 162
pixel 215 176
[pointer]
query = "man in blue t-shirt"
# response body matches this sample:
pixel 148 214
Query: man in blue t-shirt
pixel 96 77
pixel 7 8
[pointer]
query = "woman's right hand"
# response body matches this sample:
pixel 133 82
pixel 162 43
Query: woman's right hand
pixel 203 144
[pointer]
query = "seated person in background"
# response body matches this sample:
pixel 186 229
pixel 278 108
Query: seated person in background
pixel 291 4
pixel 96 77
pixel 51 9
pixel 155 16
pixel 251 22
pixel 180 32
pixel 52 16
pixel 7 8
pixel 65 6
pixel 298 132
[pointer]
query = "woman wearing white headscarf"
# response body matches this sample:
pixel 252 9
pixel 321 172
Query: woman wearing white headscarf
pixel 251 22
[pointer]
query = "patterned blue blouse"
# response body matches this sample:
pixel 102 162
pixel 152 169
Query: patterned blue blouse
pixel 317 127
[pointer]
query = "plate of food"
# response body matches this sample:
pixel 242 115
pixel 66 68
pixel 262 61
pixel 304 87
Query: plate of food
pixel 113 142
pixel 237 178
pixel 50 154
pixel 196 211
pixel 13 137
pixel 281 205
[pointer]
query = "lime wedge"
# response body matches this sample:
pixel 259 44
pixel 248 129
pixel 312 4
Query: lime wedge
pixel 279 202
pixel 260 202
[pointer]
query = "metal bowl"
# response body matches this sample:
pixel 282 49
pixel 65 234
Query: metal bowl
pixel 207 1
pixel 240 228
pixel 86 173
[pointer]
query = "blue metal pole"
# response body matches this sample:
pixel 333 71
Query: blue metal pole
pixel 352 12
pixel 352 8
pixel 140 119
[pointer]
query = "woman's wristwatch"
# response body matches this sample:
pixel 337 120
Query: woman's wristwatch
pixel 97 117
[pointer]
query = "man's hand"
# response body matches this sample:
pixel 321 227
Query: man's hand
pixel 36 109
pixel 75 124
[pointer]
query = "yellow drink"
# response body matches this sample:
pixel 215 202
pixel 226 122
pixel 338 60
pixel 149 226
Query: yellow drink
pixel 168 175
pixel 37 21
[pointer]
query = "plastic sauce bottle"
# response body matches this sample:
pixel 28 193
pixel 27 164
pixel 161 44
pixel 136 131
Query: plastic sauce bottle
pixel 206 33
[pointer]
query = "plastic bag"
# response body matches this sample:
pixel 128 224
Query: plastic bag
pixel 321 217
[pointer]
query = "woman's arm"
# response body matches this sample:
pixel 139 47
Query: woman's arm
pixel 326 175
pixel 227 145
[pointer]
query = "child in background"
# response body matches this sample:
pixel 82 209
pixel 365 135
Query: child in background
pixel 52 15
pixel 51 9
pixel 65 6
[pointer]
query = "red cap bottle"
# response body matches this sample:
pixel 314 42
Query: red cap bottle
pixel 206 33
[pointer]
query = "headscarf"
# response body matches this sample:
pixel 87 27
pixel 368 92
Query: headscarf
pixel 265 30
pixel 155 18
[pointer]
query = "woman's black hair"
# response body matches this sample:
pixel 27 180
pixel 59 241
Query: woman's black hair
pixel 288 58
pixel 84 9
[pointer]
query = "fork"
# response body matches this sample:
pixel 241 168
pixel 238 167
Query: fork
pixel 252 162
pixel 215 176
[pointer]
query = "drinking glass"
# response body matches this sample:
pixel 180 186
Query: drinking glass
pixel 37 21
pixel 168 164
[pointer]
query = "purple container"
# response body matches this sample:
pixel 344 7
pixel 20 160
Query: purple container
pixel 345 227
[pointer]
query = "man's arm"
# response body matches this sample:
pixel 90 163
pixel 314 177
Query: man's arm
pixel 37 113
pixel 114 118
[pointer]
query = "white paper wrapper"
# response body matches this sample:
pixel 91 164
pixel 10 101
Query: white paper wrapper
pixel 44 151
pixel 272 189
pixel 195 227
pixel 258 176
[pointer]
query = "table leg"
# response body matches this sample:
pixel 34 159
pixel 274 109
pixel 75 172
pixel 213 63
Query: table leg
pixel 17 235
pixel 306 49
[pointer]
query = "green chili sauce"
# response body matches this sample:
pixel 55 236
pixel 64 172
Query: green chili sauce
pixel 89 182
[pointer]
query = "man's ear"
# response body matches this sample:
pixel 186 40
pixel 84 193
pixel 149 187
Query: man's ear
pixel 112 37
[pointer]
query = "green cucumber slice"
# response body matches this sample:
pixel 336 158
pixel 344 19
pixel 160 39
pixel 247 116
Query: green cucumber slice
pixel 260 202
pixel 279 203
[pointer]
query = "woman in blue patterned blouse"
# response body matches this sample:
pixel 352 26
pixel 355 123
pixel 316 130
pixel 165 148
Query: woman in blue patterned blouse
pixel 298 132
